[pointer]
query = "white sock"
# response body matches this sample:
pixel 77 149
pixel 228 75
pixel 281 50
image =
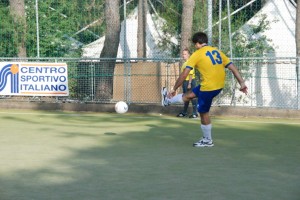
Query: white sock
pixel 176 99
pixel 206 130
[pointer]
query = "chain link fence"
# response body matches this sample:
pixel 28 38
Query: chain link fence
pixel 74 32
pixel 272 83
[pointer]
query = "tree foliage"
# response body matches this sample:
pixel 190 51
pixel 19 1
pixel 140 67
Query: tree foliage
pixel 59 22
pixel 66 25
pixel 8 43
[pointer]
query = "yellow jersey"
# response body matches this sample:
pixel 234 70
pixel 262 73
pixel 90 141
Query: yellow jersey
pixel 192 72
pixel 211 64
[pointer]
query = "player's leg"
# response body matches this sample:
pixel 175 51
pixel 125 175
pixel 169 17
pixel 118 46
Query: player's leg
pixel 194 106
pixel 205 118
pixel 185 90
pixel 179 98
pixel 183 113
pixel 194 102
pixel 188 96
pixel 164 98
pixel 206 127
pixel 185 107
pixel 204 102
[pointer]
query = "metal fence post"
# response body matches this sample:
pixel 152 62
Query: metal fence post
pixel 209 21
pixel 127 68
pixel 298 82
pixel 37 29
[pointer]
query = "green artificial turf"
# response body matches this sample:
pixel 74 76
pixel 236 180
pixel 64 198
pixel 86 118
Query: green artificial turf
pixel 108 156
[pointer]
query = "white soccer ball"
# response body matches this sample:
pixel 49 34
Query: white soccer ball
pixel 121 107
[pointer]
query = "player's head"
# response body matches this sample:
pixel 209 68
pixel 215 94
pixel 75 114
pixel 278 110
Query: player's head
pixel 185 54
pixel 200 38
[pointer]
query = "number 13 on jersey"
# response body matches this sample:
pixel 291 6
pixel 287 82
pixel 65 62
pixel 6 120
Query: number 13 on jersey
pixel 214 56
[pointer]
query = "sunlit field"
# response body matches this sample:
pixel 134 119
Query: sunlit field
pixel 109 156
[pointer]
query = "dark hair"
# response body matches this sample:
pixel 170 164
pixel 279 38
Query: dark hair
pixel 200 37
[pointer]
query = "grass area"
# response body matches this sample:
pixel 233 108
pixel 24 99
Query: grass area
pixel 107 156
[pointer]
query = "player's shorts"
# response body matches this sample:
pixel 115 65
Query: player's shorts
pixel 205 98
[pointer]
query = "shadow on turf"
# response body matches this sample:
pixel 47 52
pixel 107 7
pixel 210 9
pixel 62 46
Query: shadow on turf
pixel 152 158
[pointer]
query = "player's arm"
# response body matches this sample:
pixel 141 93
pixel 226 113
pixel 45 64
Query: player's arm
pixel 180 80
pixel 238 77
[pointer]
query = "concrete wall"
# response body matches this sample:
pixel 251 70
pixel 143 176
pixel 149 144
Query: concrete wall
pixel 145 82
pixel 151 108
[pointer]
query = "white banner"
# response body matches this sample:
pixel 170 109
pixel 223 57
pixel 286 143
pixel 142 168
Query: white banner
pixel 34 79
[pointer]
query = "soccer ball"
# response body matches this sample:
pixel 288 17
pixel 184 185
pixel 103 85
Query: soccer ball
pixel 121 107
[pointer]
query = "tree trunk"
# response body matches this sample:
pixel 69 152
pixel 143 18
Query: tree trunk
pixel 141 34
pixel 104 70
pixel 17 11
pixel 186 23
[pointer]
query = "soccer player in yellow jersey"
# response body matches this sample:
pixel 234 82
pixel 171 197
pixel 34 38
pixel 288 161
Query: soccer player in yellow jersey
pixel 211 64
pixel 188 84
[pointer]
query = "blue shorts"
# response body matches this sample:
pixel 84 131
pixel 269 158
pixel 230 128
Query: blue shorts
pixel 205 98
